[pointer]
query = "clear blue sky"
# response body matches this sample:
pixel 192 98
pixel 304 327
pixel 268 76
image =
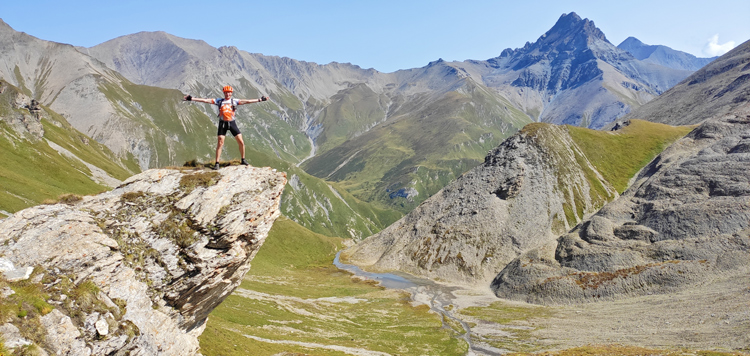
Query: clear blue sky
pixel 386 35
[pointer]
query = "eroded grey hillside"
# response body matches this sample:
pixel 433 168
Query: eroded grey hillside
pixel 156 255
pixel 516 200
pixel 685 221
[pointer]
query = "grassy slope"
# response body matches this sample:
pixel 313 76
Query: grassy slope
pixel 351 111
pixel 425 144
pixel 319 209
pixel 31 171
pixel 616 155
pixel 619 155
pixel 174 131
pixel 178 131
pixel 298 296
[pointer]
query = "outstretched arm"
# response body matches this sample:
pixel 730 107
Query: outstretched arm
pixel 250 101
pixel 200 100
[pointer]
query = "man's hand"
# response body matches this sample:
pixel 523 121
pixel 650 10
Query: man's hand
pixel 263 98
pixel 187 98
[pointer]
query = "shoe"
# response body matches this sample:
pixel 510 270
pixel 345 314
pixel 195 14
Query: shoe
pixel 244 163
pixel 216 166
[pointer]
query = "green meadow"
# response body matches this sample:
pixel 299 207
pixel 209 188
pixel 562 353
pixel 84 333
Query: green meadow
pixel 294 300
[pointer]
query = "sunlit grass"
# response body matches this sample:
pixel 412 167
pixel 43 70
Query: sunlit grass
pixel 619 155
pixel 294 300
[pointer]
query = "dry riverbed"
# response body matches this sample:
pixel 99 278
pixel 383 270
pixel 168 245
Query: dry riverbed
pixel 712 316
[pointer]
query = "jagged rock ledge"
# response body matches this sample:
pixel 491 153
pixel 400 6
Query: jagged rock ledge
pixel 158 253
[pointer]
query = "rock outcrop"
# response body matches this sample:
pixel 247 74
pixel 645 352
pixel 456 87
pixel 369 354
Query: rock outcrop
pixel 138 269
pixel 685 220
pixel 534 186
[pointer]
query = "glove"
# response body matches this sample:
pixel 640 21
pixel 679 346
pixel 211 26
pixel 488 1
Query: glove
pixel 188 98
pixel 263 98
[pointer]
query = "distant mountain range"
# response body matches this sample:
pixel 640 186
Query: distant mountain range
pixel 718 88
pixel 663 55
pixel 392 139
pixel 560 214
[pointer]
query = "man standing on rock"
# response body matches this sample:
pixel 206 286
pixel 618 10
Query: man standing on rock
pixel 227 108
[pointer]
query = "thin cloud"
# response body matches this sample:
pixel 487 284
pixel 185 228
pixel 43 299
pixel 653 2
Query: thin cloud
pixel 713 48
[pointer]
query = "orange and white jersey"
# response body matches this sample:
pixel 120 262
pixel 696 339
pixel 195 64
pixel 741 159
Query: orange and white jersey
pixel 226 108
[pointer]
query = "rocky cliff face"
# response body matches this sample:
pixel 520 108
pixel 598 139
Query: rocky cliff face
pixel 535 185
pixel 685 220
pixel 138 269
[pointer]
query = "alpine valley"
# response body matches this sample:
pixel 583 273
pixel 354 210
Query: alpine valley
pixel 531 201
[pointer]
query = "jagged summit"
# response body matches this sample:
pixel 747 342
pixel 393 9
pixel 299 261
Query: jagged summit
pixel 576 76
pixel 571 27
pixel 569 33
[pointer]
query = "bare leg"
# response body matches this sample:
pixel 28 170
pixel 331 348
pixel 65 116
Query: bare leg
pixel 219 145
pixel 241 143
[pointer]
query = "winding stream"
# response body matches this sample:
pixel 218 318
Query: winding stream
pixel 424 291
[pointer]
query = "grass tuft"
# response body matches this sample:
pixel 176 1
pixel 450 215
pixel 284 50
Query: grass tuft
pixel 70 199
pixel 178 231
pixel 200 179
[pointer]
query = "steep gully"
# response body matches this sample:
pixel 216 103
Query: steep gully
pixel 424 291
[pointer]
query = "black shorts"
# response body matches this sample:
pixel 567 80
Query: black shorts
pixel 230 126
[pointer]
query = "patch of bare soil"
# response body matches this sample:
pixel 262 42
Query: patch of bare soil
pixel 713 316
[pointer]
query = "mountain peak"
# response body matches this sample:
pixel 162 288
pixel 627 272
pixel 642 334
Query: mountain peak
pixel 570 17
pixel 632 41
pixel 571 25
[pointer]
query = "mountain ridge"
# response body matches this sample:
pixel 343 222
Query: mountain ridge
pixel 719 87
pixel 683 222
pixel 663 55
pixel 320 114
